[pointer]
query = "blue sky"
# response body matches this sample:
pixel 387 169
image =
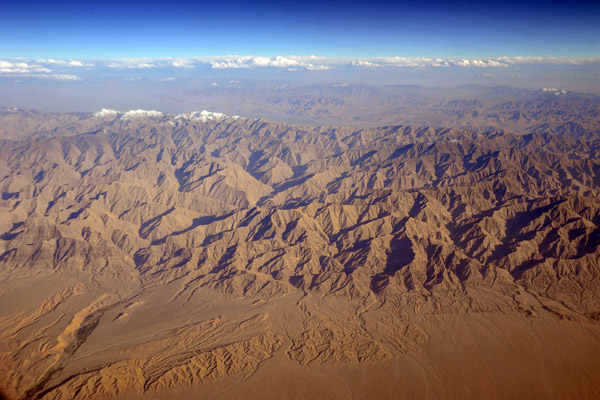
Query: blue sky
pixel 105 30
pixel 84 56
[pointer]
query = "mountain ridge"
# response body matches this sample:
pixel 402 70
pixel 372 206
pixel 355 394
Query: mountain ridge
pixel 175 255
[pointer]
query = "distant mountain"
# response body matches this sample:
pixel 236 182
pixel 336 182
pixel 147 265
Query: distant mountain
pixel 202 255
pixel 473 106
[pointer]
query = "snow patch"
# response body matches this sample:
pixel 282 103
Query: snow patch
pixel 105 112
pixel 202 116
pixel 141 113
pixel 557 92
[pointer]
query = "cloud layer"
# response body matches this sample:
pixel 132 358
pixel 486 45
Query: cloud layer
pixel 488 62
pixel 73 70
pixel 277 62
pixel 22 69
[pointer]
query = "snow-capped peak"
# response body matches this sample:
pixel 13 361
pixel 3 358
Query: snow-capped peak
pixel 141 113
pixel 554 90
pixel 202 116
pixel 105 112
pixel 195 116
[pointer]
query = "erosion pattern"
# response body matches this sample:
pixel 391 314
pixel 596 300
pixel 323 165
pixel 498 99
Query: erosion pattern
pixel 149 255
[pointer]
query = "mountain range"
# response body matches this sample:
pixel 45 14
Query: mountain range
pixel 151 255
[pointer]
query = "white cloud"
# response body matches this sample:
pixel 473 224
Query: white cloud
pixel 66 63
pixel 422 62
pixel 57 68
pixel 480 63
pixel 546 60
pixel 294 63
pixel 228 64
pixel 321 63
pixel 311 67
pixel 257 61
pixel 64 77
pixel 145 63
pixel 182 63
pixel 132 63
pixel 364 63
pixel 283 62
pixel 487 62
pixel 9 69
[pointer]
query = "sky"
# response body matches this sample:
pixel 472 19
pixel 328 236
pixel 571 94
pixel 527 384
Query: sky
pixel 79 56
pixel 111 29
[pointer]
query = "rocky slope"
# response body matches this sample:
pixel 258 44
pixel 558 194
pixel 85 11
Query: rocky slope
pixel 155 255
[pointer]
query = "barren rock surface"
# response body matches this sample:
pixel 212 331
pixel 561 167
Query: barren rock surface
pixel 162 256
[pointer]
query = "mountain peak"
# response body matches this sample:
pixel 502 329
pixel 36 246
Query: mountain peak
pixel 141 113
pixel 202 116
pixel 106 112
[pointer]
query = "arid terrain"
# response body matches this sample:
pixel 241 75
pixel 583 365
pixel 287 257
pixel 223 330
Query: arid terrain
pixel 499 108
pixel 150 256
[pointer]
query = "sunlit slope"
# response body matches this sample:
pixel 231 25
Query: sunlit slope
pixel 159 256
